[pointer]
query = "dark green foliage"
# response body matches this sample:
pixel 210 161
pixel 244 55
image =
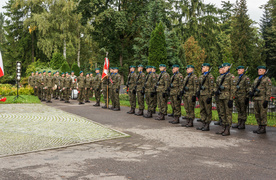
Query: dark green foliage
pixel 57 60
pixel 65 67
pixel 76 69
pixel 157 47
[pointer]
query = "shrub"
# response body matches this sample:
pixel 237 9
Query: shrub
pixel 124 97
pixel 57 60
pixel 8 90
pixel 76 69
pixel 65 67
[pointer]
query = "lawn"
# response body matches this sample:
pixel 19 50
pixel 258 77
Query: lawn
pixel 23 99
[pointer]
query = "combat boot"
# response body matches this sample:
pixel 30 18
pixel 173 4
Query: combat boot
pixel 199 120
pixel 242 125
pixel 161 117
pixel 176 120
pixel 132 111
pixel 170 115
pixel 237 125
pixel 218 122
pixel 87 101
pixel 116 109
pixel 154 111
pixel 148 115
pixel 255 131
pixel 222 131
pixel 61 99
pixel 184 117
pixel 262 130
pixel 186 123
pixel 104 107
pixel 226 131
pixel 206 127
pixel 140 113
pixel 200 128
pixel 191 123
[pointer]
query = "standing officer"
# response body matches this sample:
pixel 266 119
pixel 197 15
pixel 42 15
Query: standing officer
pixel 81 87
pixel 161 88
pixel 105 83
pixel 131 80
pixel 56 80
pixel 204 93
pixel 140 81
pixel 226 90
pixel 217 96
pixel 74 79
pixel 241 96
pixel 88 87
pixel 61 93
pixel 67 87
pixel 31 81
pixel 44 91
pixel 155 94
pixel 38 85
pixel 175 85
pixel 115 89
pixel 49 86
pixel 149 91
pixel 261 91
pixel 189 92
pixel 92 82
pixel 110 87
pixel 97 87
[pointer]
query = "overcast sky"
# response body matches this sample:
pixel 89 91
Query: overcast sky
pixel 253 7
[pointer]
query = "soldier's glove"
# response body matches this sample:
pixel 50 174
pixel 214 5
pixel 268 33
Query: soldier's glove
pixel 217 93
pixel 209 100
pixel 246 101
pixel 152 94
pixel 198 94
pixel 186 88
pixel 202 88
pixel 164 95
pixel 230 103
pixel 134 91
pixel 117 90
pixel 265 104
pixel 193 98
pixel 251 94
pixel 178 97
pixel 181 93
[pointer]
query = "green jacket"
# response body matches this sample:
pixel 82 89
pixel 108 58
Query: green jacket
pixel 81 81
pixel 97 81
pixel 190 89
pixel 140 81
pixel 131 81
pixel 49 82
pixel 150 82
pixel 206 89
pixel 116 81
pixel 176 83
pixel 264 90
pixel 163 83
pixel 67 82
pixel 244 87
pixel 228 87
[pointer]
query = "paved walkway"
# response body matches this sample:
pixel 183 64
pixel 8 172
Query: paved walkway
pixel 155 150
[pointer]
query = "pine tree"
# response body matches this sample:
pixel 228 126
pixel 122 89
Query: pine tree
pixel 57 60
pixel 76 69
pixel 65 67
pixel 157 47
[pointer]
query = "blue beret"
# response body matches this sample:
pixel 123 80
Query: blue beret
pixel 226 64
pixel 175 65
pixel 49 71
pixel 206 64
pixel 240 67
pixel 162 65
pixel 81 72
pixel 39 73
pixel 44 71
pixel 115 68
pixel 97 69
pixel 140 65
pixel 261 67
pixel 153 67
pixel 189 66
pixel 132 66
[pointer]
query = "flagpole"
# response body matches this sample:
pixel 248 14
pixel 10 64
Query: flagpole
pixel 107 92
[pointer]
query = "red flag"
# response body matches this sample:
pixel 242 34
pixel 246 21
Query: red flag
pixel 1 66
pixel 3 99
pixel 106 67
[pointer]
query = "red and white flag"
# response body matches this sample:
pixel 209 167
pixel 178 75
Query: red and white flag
pixel 1 66
pixel 106 67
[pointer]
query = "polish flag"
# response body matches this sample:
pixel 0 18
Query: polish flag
pixel 106 67
pixel 1 66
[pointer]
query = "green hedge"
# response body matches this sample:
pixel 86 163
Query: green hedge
pixel 9 90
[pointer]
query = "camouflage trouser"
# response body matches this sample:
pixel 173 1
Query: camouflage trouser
pixel 67 93
pixel 61 93
pixel 149 101
pixel 260 113
pixel 217 104
pixel 141 101
pixel 205 109
pixel 98 95
pixel 155 101
pixel 162 103
pixel 116 99
pixel 189 107
pixel 226 112
pixel 132 99
pixel 172 105
pixel 87 94
pixel 241 107
pixel 81 94
pixel 49 93
pixel 111 96
pixel 39 92
pixel 91 93
pixel 44 93
pixel 57 92
pixel 105 95
pixel 176 105
pixel 35 91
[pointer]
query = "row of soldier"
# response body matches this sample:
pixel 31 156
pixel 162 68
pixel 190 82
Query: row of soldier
pixel 226 89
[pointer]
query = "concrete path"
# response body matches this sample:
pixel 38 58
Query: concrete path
pixel 156 150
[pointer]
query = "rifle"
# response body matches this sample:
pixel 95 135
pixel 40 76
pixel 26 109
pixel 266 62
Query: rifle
pixel 183 90
pixel 203 82
pixel 238 87
pixel 128 80
pixel 157 83
pixel 255 89
pixel 218 92
pixel 135 88
pixel 169 88
pixel 143 89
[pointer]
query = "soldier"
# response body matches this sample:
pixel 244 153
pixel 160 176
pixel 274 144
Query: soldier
pixel 140 81
pixel 61 93
pixel 217 96
pixel 110 87
pixel 261 91
pixel 150 82
pixel 131 89
pixel 155 94
pixel 38 85
pixel 116 89
pixel 105 84
pixel 74 79
pixel 44 91
pixel 67 87
pixel 161 88
pixel 31 81
pixel 204 93
pixel 241 96
pixel 174 89
pixel 189 92
pixel 88 87
pixel 97 86
pixel 49 83
pixel 92 82
pixel 226 90
pixel 81 87
pixel 57 82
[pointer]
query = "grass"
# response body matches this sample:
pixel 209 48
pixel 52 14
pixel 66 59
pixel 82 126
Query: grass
pixel 250 119
pixel 26 99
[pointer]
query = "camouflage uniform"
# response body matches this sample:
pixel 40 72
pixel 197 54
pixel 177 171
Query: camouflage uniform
pixel 150 82
pixel 49 84
pixel 67 84
pixel 81 88
pixel 242 99
pixel 131 92
pixel 31 82
pixel 91 90
pixel 162 94
pixel 97 88
pixel 56 80
pixel 110 90
pixel 44 90
pixel 39 86
pixel 217 100
pixel 189 97
pixel 155 94
pixel 105 83
pixel 88 86
pixel 140 81
pixel 176 84
pixel 205 99
pixel 115 91
pixel 61 91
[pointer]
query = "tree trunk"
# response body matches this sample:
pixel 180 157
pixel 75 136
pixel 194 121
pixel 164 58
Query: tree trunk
pixel 78 59
pixel 64 49
pixel 33 47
